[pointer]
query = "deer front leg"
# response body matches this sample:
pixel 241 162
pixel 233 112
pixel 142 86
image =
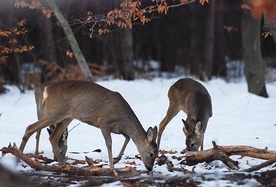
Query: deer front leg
pixel 108 142
pixel 118 158
pixel 201 147
pixel 62 142
pixel 172 111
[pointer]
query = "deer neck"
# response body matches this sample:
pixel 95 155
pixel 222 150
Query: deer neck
pixel 138 135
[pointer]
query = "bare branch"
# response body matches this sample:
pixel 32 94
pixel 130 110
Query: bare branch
pixel 69 169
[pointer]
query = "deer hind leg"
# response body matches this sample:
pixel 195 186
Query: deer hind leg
pixel 172 111
pixel 118 158
pixel 55 137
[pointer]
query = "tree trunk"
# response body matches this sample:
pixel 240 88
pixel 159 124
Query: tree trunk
pixel 117 56
pixel 219 63
pixel 127 52
pixel 47 49
pixel 122 50
pixel 194 57
pixel 72 40
pixel 209 42
pixel 253 66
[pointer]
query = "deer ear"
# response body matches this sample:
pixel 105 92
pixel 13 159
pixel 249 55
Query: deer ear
pixel 49 131
pixel 198 127
pixel 155 130
pixel 185 127
pixel 151 134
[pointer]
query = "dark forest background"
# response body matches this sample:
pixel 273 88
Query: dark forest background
pixel 176 41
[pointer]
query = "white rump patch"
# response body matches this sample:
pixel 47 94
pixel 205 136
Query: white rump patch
pixel 45 94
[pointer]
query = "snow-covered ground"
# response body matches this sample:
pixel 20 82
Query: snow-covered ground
pixel 239 118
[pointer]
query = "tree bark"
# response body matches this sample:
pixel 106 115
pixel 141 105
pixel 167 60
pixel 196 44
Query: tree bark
pixel 253 66
pixel 219 62
pixel 47 48
pixel 117 56
pixel 122 51
pixel 72 40
pixel 127 52
pixel 209 42
pixel 193 53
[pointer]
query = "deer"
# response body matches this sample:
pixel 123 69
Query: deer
pixel 191 97
pixel 62 142
pixel 97 106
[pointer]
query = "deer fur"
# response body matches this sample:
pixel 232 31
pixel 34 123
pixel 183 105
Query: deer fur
pixel 191 97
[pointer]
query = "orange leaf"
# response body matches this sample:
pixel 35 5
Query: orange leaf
pixel 203 1
pixel 69 53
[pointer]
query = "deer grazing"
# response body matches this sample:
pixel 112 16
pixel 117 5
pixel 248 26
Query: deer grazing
pixel 193 98
pixel 97 106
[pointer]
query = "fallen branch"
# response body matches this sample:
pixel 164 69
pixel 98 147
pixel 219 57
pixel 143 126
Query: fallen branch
pixel 262 165
pixel 223 152
pixel 69 169
pixel 193 158
pixel 164 160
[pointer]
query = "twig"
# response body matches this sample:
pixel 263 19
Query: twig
pixel 73 127
pixel 262 165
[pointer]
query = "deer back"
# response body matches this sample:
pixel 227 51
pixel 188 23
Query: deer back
pixel 89 103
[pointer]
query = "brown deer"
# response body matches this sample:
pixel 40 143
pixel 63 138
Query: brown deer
pixel 62 143
pixel 96 106
pixel 193 98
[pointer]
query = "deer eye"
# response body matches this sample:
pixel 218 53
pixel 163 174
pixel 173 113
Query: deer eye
pixel 151 154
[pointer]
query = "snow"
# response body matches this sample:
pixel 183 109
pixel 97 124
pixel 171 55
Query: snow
pixel 239 118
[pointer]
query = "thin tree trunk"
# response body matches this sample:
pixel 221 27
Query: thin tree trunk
pixel 122 51
pixel 47 49
pixel 127 52
pixel 117 56
pixel 253 66
pixel 219 63
pixel 194 57
pixel 72 40
pixel 209 42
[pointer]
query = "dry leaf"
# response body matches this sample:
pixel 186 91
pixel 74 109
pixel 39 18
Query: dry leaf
pixel 69 53
pixel 266 34
pixel 203 1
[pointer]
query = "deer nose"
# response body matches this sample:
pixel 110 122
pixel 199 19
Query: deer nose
pixel 149 168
